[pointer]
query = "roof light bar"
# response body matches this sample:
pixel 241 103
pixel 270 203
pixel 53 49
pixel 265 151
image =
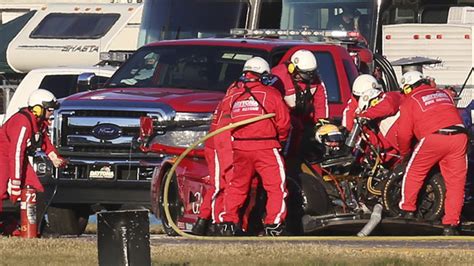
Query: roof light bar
pixel 305 32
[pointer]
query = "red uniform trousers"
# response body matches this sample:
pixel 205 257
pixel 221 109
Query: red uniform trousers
pixel 213 202
pixel 450 152
pixel 4 170
pixel 269 164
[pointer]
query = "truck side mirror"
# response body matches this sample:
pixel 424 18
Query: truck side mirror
pixel 87 81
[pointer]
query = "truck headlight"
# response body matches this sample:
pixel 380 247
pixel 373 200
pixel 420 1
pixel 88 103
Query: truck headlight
pixel 43 166
pixel 184 129
pixel 182 137
pixel 192 119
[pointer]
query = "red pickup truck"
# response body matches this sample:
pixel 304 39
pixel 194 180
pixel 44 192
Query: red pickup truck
pixel 200 72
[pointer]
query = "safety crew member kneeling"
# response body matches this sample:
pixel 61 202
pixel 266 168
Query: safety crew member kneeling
pixel 256 147
pixel 429 115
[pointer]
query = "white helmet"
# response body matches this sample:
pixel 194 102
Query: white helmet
pixel 368 99
pixel 411 77
pixel 43 98
pixel 304 61
pixel 256 65
pixel 364 83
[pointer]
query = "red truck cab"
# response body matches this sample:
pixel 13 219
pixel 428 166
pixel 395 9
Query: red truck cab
pixel 336 69
pixel 179 84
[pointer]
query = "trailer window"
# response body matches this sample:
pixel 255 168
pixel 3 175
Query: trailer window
pixel 74 26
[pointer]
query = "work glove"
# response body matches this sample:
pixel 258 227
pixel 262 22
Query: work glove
pixel 14 189
pixel 363 120
pixel 57 160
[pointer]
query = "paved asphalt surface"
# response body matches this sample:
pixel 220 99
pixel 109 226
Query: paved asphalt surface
pixel 463 242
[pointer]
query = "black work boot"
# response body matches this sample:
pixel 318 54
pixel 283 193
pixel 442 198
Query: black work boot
pixel 450 230
pixel 200 227
pixel 275 230
pixel 227 229
pixel 213 230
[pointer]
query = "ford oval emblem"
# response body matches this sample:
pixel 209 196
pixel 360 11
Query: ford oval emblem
pixel 106 131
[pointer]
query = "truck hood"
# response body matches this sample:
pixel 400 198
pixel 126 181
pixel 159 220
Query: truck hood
pixel 181 100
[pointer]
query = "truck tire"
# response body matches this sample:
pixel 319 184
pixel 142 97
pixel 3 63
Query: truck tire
pixel 430 203
pixel 174 203
pixel 67 219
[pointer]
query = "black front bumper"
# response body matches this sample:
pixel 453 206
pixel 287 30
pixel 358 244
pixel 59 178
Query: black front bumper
pixel 98 192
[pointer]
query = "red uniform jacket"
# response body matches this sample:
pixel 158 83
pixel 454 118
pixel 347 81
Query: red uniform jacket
pixel 424 111
pixel 15 136
pixel 264 134
pixel 286 86
pixel 349 113
pixel 387 111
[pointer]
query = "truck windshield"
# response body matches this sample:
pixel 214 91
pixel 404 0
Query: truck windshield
pixel 184 19
pixel 346 15
pixel 188 67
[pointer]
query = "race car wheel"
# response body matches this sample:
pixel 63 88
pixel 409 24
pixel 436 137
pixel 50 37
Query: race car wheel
pixel 315 198
pixel 430 201
pixel 306 197
pixel 67 219
pixel 175 205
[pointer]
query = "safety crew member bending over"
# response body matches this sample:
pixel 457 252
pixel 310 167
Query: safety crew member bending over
pixel 304 93
pixel 20 137
pixel 430 115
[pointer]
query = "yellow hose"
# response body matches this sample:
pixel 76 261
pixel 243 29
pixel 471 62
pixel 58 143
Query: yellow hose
pixel 262 238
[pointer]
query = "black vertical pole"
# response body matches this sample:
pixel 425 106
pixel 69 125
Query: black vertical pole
pixel 123 238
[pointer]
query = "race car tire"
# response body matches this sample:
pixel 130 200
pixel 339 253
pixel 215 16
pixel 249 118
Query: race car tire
pixel 430 203
pixel 315 198
pixel 67 219
pixel 175 205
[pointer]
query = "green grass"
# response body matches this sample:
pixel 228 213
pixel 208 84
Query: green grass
pixel 17 251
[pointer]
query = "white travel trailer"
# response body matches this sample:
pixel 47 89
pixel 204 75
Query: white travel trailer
pixel 452 43
pixel 61 81
pixel 73 35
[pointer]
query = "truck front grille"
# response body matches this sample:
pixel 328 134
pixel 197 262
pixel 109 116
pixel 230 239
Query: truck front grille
pixel 94 140
pixel 99 131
